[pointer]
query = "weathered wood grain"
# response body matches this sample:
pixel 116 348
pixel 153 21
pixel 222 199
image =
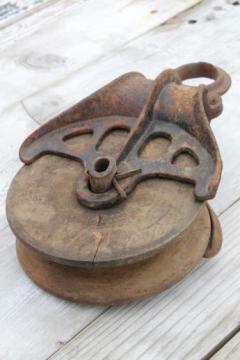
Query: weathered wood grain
pixel 15 124
pixel 185 322
pixel 33 324
pixel 70 38
pixel 11 11
pixel 231 351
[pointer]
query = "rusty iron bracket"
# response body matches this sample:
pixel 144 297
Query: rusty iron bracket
pixel 165 107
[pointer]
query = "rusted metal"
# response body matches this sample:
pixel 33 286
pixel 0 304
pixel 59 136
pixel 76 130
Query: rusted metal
pixel 93 213
pixel 172 110
pixel 215 240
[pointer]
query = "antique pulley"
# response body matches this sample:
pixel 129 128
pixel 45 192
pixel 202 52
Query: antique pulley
pixel 111 202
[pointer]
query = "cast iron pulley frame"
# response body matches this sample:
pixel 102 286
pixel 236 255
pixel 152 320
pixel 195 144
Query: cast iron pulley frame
pixel 174 110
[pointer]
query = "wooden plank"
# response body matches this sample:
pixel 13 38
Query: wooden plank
pixel 231 351
pixel 27 25
pixel 71 37
pixel 11 11
pixel 154 52
pixel 145 319
pixel 33 323
pixel 185 322
pixel 15 124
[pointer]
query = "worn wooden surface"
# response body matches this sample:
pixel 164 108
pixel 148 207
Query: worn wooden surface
pixel 230 350
pixel 57 53
pixel 11 11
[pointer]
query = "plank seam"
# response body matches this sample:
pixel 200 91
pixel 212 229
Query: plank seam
pixel 174 17
pixel 72 338
pixel 28 113
pixel 4 228
pixel 222 343
pixel 229 206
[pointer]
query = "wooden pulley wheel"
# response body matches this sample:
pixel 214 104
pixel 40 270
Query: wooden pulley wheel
pixel 111 202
